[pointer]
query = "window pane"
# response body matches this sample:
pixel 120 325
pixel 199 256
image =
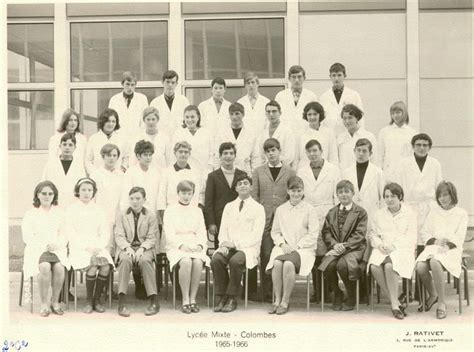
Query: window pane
pixel 103 51
pixel 197 95
pixel 30 119
pixel 91 102
pixel 229 48
pixel 30 53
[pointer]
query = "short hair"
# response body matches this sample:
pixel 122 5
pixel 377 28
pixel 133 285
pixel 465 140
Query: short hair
pixel 249 75
pixel 82 181
pixel 104 117
pixel 295 182
pixel 182 144
pixel 337 67
pixel 352 110
pixel 108 148
pixel 296 69
pixel 143 146
pixel 170 74
pixel 448 187
pixel 363 141
pixel 39 187
pixel 399 105
pixel 423 137
pixel 198 113
pixel 67 136
pixel 67 114
pixel 137 189
pixel 227 146
pixel 345 184
pixel 271 143
pixel 186 186
pixel 273 103
pixel 235 107
pixel 129 76
pixel 316 107
pixel 218 80
pixel 396 190
pixel 150 110
pixel 243 177
pixel 311 143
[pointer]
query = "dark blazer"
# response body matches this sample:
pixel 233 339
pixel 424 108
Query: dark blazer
pixel 352 235
pixel 271 194
pixel 218 194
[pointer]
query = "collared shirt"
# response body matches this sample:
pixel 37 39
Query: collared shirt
pixel 316 167
pixel 177 167
pixel 136 216
pixel 338 93
pixel 229 175
pixel 169 101
pixel 348 207
pixel 128 98
pixel 275 170
pixel 253 100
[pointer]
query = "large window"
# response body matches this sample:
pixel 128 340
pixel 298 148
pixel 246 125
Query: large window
pixel 229 48
pixel 30 119
pixel 91 102
pixel 102 51
pixel 30 53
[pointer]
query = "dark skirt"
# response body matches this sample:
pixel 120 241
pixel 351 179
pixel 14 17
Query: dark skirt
pixel 293 257
pixel 48 257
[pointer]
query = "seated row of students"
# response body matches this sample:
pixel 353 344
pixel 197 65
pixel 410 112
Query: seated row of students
pixel 78 237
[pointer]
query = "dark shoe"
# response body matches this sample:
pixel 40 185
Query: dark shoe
pixel 282 310
pixel 273 309
pixel 44 312
pixel 99 308
pixel 337 302
pixel 88 309
pixel 58 311
pixel 123 311
pixel 152 309
pixel 440 313
pixel 347 306
pixel 220 304
pixel 194 308
pixel 403 309
pixel 402 299
pixel 397 313
pixel 428 305
pixel 230 306
pixel 186 309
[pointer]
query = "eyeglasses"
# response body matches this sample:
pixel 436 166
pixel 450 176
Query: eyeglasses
pixel 47 193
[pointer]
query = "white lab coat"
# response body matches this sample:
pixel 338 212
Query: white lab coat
pixel 109 187
pixel 370 195
pixel 294 114
pixel 327 140
pixel 450 224
pixel 332 109
pixel 130 118
pixel 55 140
pixel 93 159
pixel 255 118
pixel 184 224
pixel 163 154
pixel 170 120
pixel 65 183
pixel 244 228
pixel 394 144
pixel 202 143
pixel 346 144
pixel 149 180
pixel 40 228
pixel 211 119
pixel 248 154
pixel 400 231
pixel 86 228
pixel 297 226
pixel 170 178
pixel 419 187
pixel 285 135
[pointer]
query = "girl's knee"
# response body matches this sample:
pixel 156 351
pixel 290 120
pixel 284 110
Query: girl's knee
pixel 44 268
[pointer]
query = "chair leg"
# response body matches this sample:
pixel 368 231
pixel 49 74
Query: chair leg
pixel 111 287
pixel 246 287
pixel 466 285
pixel 173 271
pixel 357 295
pixel 372 282
pixel 448 277
pixel 166 282
pixel 21 288
pixel 460 295
pixel 322 292
pixel 308 288
pixel 31 304
pixel 378 293
pixel 65 291
pixel 74 273
pixel 82 277
pixel 208 283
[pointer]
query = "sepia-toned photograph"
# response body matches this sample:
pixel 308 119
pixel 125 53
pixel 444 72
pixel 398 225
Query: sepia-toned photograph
pixel 237 175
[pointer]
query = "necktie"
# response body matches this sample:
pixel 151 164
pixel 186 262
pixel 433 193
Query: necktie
pixel 241 205
pixel 129 98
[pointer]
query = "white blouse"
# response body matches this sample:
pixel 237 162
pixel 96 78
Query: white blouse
pixel 346 144
pixel 149 180
pixel 202 143
pixel 93 159
pixel 163 149
pixel 109 188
